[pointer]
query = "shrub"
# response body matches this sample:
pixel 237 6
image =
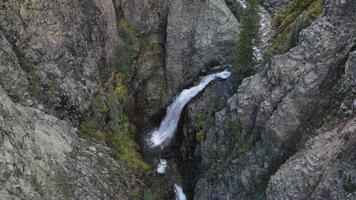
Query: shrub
pixel 235 8
pixel 248 39
pixel 128 38
pixel 293 36
pixel 200 135
pixel 124 148
pixel 290 21
pixel 91 128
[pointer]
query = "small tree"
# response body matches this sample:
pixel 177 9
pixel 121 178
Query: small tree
pixel 248 39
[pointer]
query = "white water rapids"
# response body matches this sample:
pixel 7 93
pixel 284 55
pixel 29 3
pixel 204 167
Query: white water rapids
pixel 163 135
pixel 179 192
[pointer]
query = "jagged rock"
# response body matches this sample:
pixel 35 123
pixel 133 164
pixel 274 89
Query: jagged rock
pixel 200 34
pixel 324 169
pixel 284 103
pixel 41 157
pixel 32 144
pixel 275 5
pixel 12 77
pixel 61 46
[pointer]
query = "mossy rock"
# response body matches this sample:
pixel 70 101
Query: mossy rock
pixel 290 21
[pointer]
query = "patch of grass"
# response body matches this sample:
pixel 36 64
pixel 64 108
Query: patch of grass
pixel 115 129
pixel 125 150
pixel 128 38
pixel 100 104
pixel 90 128
pixel 62 183
pixel 200 135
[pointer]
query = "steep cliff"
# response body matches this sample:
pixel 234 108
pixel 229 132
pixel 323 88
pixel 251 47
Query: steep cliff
pixel 287 132
pixel 82 82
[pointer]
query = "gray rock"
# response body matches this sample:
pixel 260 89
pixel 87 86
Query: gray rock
pixel 63 41
pixel 12 77
pixel 199 35
pixel 284 105
pixel 324 169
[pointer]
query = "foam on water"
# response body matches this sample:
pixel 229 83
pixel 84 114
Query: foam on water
pixel 179 192
pixel 161 136
pixel 162 166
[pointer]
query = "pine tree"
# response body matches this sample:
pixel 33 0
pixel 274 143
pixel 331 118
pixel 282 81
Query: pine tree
pixel 248 38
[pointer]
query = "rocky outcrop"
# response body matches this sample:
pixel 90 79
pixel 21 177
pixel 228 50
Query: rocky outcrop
pixel 324 169
pixel 54 57
pixel 60 45
pixel 198 34
pixel 288 132
pixel 274 5
pixel 276 111
pixel 41 157
pixel 13 78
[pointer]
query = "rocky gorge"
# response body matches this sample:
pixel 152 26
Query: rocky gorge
pixel 83 82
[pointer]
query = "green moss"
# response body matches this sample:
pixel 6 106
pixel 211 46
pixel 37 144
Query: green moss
pixel 90 128
pixel 200 135
pixel 114 127
pixel 287 26
pixel 128 38
pixel 125 150
pixel 62 183
pixel 99 103
pixel 34 84
pixel 205 120
pixel 244 142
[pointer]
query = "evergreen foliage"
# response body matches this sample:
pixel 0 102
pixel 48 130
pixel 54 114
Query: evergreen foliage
pixel 235 8
pixel 290 21
pixel 248 38
pixel 117 130
pixel 128 38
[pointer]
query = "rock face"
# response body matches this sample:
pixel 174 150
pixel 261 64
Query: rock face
pixel 61 46
pixel 287 108
pixel 196 36
pixel 42 158
pixel 286 132
pixel 327 163
pixel 199 35
pixel 55 57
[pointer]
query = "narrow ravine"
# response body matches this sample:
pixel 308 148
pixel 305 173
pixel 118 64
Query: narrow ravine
pixel 163 135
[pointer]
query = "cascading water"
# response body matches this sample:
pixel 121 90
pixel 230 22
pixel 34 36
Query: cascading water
pixel 179 192
pixel 162 136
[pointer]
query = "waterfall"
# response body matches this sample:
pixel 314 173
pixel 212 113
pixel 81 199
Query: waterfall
pixel 161 136
pixel 179 192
